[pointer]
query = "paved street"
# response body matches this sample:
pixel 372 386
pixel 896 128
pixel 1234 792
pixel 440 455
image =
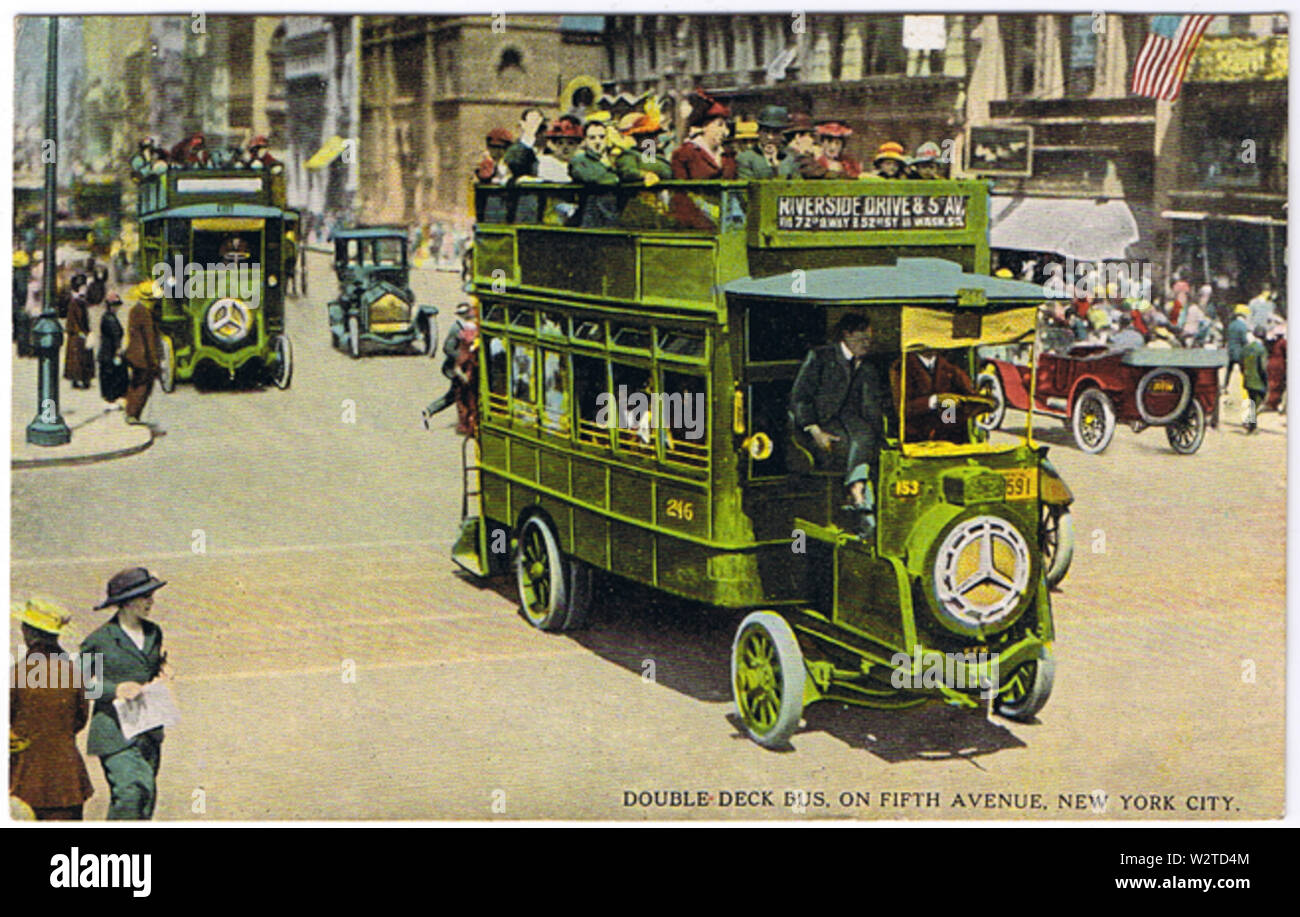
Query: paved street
pixel 305 535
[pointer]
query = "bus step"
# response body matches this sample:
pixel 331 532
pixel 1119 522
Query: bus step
pixel 465 551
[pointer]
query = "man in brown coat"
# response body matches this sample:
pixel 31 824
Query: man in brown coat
pixel 141 352
pixel 47 708
pixel 931 411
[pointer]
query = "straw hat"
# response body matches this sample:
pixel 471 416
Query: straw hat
pixel 43 614
pixel 890 150
pixel 746 130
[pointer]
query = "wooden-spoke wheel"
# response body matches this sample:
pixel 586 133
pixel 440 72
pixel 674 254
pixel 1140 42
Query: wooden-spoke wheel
pixel 1056 539
pixel 1093 421
pixel 767 678
pixel 539 572
pixel 1026 689
pixel 1187 433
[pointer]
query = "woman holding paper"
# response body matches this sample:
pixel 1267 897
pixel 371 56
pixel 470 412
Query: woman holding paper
pixel 124 661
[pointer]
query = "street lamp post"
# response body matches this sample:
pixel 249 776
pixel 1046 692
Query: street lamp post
pixel 47 427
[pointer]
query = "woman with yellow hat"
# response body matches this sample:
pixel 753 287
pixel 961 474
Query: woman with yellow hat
pixel 890 161
pixel 47 708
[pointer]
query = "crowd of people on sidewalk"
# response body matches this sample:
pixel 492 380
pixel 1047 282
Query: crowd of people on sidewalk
pixel 122 351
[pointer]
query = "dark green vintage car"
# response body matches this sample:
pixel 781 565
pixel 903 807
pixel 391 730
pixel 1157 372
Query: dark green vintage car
pixel 375 304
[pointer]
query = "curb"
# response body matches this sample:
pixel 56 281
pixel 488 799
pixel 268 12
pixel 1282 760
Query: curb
pixel 58 461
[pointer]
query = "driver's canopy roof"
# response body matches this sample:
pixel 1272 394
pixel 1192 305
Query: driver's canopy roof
pixel 916 304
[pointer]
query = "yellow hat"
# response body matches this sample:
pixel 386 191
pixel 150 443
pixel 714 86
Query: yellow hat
pixel 599 114
pixel 1004 273
pixel 21 258
pixel 1242 309
pixel 142 290
pixel 17 743
pixel 42 614
pixel 746 130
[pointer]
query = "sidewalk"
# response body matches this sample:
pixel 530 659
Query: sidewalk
pixel 99 430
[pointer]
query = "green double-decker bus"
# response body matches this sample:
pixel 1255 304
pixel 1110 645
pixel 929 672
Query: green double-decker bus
pixel 212 247
pixel 637 352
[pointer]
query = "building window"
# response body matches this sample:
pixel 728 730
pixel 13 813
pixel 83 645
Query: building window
pixel 511 59
pixel 1083 56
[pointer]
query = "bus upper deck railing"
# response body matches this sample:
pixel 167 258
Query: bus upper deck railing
pixel 773 212
pixel 708 207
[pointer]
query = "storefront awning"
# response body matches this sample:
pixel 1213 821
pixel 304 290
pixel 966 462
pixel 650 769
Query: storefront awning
pixel 1079 228
pixel 327 154
pixel 1224 217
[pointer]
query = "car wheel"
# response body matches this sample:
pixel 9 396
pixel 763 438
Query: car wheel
pixel 767 678
pixel 1026 689
pixel 1187 433
pixel 1178 378
pixel 166 364
pixel 540 575
pixel 1056 539
pixel 354 337
pixel 283 374
pixel 1093 421
pixel 990 383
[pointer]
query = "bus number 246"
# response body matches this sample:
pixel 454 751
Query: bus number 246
pixel 681 509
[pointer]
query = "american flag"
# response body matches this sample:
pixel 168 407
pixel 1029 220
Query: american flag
pixel 1163 59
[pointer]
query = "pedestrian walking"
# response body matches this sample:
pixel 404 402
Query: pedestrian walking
pixel 78 362
pixel 129 655
pixel 1236 335
pixel 113 373
pixel 47 708
pixel 140 351
pixel 1275 340
pixel 1254 369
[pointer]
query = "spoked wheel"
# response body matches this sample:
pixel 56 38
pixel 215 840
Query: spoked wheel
pixel 767 678
pixel 354 337
pixel 283 373
pixel 1056 539
pixel 1093 421
pixel 540 574
pixel 166 364
pixel 1025 690
pixel 1187 433
pixel 990 384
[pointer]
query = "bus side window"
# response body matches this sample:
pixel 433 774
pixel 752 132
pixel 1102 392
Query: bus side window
pixel 555 393
pixel 523 381
pixel 596 416
pixel 684 409
pixel 631 409
pixel 498 390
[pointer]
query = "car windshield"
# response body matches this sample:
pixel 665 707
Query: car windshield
pixel 389 252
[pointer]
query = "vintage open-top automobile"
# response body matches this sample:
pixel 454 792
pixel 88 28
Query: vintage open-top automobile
pixel 1092 388
pixel 212 243
pixel 375 304
pixel 728 511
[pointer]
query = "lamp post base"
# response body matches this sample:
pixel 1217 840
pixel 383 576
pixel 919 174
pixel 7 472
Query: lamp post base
pixel 40 433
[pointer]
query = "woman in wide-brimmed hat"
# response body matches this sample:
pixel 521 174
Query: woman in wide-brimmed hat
pixel 47 708
pixel 127 655
pixel 834 135
pixel 801 158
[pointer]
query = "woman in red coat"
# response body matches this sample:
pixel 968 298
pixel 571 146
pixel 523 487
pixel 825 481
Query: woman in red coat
pixel 701 158
pixel 47 708
pixel 78 367
pixel 1276 367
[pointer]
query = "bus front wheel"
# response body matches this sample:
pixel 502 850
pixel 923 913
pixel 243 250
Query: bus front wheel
pixel 767 678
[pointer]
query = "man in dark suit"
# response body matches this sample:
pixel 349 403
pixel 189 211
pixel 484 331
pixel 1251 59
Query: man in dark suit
pixel 127 651
pixel 836 405
pixel 931 412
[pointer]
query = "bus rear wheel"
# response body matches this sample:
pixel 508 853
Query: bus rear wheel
pixel 540 571
pixel 767 678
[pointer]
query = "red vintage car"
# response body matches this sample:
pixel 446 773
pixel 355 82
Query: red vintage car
pixel 1092 388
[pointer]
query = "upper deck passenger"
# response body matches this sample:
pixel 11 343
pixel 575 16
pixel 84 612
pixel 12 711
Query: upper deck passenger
pixel 562 140
pixel 521 156
pixel 834 136
pixel 800 160
pixel 642 161
pixel 764 159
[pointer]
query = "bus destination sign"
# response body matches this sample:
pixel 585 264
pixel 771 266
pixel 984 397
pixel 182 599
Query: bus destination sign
pixel 839 212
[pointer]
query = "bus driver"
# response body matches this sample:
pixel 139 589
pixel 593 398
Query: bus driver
pixel 837 401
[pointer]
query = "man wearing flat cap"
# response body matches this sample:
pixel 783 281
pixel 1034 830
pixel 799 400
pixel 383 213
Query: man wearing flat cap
pixel 129 652
pixel 47 708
